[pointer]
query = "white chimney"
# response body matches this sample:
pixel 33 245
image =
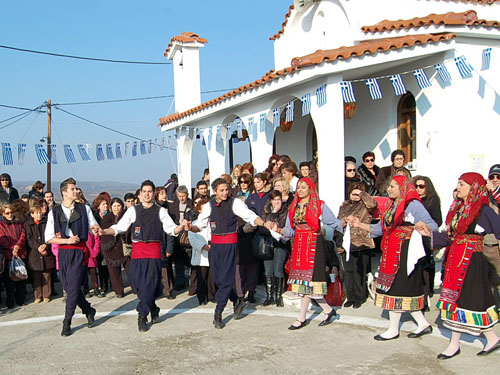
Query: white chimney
pixel 183 50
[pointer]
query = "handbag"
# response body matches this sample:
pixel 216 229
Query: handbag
pixel 334 295
pixel 127 249
pixel 17 270
pixel 262 247
pixel 184 239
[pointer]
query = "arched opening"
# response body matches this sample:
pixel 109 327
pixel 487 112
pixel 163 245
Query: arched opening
pixel 199 160
pixel 407 127
pixel 238 149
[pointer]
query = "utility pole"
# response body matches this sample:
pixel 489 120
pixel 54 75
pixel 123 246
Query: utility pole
pixel 49 148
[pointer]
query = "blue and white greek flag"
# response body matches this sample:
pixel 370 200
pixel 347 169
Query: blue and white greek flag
pixel 127 145
pixel 422 79
pixel 150 145
pixel 118 150
pixel 262 122
pixel 444 74
pixel 53 154
pixel 83 152
pixel 134 148
pixel 276 117
pixel 397 84
pixel 239 125
pixel 229 133
pixel 21 151
pixel 464 68
pixel 7 154
pixel 162 142
pixel 41 154
pixel 109 151
pixel 99 152
pixel 347 92
pixel 143 148
pixel 374 89
pixel 321 95
pixel 218 132
pixel 306 104
pixel 252 129
pixel 68 152
pixel 486 59
pixel 289 112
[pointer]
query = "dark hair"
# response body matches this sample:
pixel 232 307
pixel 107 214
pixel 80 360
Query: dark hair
pixel 201 202
pixel 273 194
pixel 396 153
pixel 48 192
pixel 249 166
pixel 6 175
pixel 350 158
pixel 356 185
pixel 116 200
pixel 305 164
pixel 148 183
pixel 25 196
pixel 202 182
pixel 105 195
pixel 217 182
pixel 129 196
pixel 38 185
pixel 227 177
pixel 285 158
pixel 290 167
pixel 158 190
pixel 206 171
pixel 262 176
pixel 368 154
pixel 430 190
pixel 97 202
pixel 65 183
pixel 247 178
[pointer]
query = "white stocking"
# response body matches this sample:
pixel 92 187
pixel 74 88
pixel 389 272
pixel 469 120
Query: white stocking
pixel 422 323
pixel 393 330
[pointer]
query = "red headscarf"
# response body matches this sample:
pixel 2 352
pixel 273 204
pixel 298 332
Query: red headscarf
pixel 313 209
pixel 477 198
pixel 397 207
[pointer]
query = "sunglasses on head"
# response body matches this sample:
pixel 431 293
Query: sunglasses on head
pixel 369 160
pixel 420 186
pixel 350 170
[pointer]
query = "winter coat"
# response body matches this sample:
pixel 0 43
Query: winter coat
pixel 94 247
pixel 199 256
pixel 112 246
pixel 363 210
pixel 34 238
pixel 385 176
pixel 9 197
pixel 12 233
pixel 257 201
pixel 369 179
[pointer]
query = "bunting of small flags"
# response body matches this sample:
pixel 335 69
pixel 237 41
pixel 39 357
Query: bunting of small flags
pixel 41 154
pixel 21 152
pixel 443 73
pixel 289 112
pixel 118 151
pixel 262 122
pixel 464 68
pixel 276 117
pixel 239 128
pixel 99 152
pixel 347 92
pixel 397 84
pixel 374 89
pixel 83 152
pixel 252 129
pixel 7 154
pixel 68 153
pixel 150 145
pixel 53 154
pixel 486 59
pixel 134 149
pixel 422 79
pixel 127 145
pixel 321 95
pixel 109 152
pixel 306 104
pixel 143 148
pixel 162 142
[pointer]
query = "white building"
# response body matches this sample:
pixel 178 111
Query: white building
pixel 445 129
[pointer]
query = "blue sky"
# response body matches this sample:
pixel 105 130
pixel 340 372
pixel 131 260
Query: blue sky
pixel 238 52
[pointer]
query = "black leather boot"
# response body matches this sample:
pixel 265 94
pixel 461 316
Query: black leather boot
pixel 142 322
pixel 66 330
pixel 155 314
pixel 218 323
pixel 91 317
pixel 251 297
pixel 278 287
pixel 239 306
pixel 269 291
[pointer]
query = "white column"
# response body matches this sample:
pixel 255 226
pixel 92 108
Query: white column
pixel 216 150
pixel 261 149
pixel 184 152
pixel 329 123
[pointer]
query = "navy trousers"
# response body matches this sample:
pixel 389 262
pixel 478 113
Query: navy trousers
pixel 223 269
pixel 72 272
pixel 145 278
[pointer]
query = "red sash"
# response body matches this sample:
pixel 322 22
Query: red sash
pixel 146 250
pixel 81 246
pixel 224 238
pixel 457 262
pixel 303 253
pixel 392 243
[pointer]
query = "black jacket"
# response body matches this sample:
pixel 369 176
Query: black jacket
pixel 173 210
pixel 8 197
pixel 369 179
pixel 35 238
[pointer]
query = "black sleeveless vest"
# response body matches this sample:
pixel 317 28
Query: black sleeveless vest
pixel 147 226
pixel 78 222
pixel 222 218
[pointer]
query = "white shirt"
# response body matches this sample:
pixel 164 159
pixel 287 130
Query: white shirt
pixel 293 184
pixel 50 231
pixel 130 216
pixel 240 209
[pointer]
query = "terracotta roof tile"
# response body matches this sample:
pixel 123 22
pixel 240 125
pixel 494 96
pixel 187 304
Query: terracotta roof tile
pixel 186 37
pixel 279 33
pixel 316 58
pixel 368 48
pixel 468 18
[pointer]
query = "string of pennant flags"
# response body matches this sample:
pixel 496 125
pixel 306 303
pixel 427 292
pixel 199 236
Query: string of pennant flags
pixel 237 126
pixel 109 151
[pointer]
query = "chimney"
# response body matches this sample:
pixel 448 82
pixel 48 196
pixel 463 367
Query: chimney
pixel 183 50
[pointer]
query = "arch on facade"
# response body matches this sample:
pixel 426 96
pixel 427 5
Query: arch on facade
pixel 199 159
pixel 407 126
pixel 238 150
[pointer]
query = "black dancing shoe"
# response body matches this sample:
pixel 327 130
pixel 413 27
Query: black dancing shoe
pixel 155 314
pixel 91 317
pixel 425 331
pixel 239 306
pixel 380 338
pixel 349 304
pixel 328 318
pixel 142 322
pixel 218 323
pixel 444 356
pixel 490 350
pixel 66 330
pixel 301 325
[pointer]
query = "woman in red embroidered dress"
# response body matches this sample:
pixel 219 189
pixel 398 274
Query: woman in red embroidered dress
pixel 400 285
pixel 308 275
pixel 466 301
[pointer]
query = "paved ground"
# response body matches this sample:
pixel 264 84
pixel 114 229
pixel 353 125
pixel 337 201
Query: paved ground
pixel 185 342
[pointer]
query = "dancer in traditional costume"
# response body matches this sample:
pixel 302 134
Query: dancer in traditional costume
pixel 308 275
pixel 466 301
pixel 400 284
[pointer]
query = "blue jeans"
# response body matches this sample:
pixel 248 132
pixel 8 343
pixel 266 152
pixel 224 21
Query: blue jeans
pixel 274 267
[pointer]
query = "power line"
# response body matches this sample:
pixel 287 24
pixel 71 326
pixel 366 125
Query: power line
pixel 106 127
pixel 84 58
pixel 21 116
pixel 14 107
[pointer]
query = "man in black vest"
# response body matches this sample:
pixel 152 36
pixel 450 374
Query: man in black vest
pixel 68 226
pixel 148 222
pixel 221 213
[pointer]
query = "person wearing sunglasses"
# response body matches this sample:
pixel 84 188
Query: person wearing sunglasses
pixel 432 203
pixel 491 249
pixel 245 186
pixel 368 172
pixel 8 193
pixel 350 177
